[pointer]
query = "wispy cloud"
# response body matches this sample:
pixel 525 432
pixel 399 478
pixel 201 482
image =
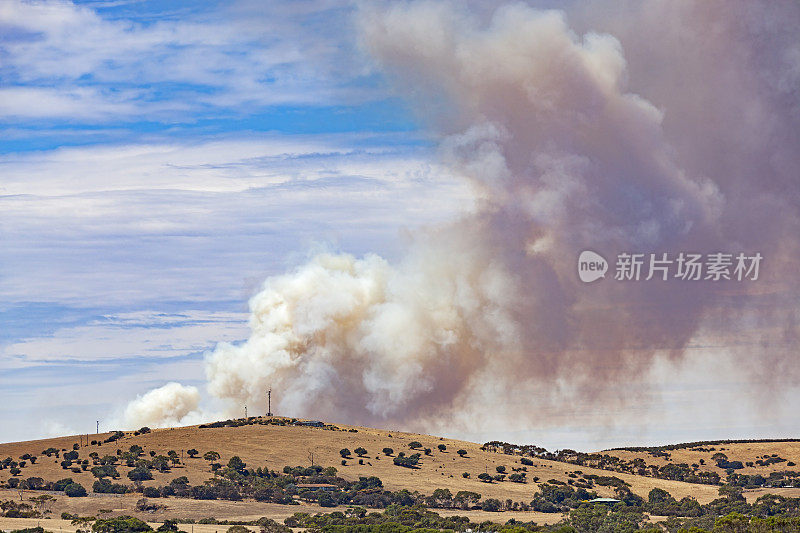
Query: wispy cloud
pixel 62 60
pixel 139 335
pixel 132 224
pixel 142 202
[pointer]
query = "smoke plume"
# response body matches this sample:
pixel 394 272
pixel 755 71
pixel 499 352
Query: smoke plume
pixel 671 128
pixel 169 405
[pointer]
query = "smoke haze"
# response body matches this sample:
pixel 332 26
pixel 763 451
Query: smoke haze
pixel 164 406
pixel 663 127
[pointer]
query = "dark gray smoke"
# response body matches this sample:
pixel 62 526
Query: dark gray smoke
pixel 674 128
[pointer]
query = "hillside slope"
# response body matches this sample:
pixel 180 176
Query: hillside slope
pixel 275 446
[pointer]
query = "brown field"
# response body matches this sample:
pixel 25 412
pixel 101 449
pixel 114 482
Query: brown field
pixel 275 446
pixel 744 452
pixel 66 526
pixel 222 510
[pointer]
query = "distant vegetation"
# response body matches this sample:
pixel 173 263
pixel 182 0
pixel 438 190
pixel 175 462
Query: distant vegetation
pixel 689 473
pixel 133 470
pixel 259 421
pixel 700 443
pixel 396 518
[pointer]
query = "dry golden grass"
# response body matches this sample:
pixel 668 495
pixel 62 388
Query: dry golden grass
pixel 275 446
pixel 66 526
pixel 196 509
pixel 744 452
pixel 184 508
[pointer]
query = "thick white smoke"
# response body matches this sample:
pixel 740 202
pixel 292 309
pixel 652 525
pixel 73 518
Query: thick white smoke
pixel 170 405
pixel 563 156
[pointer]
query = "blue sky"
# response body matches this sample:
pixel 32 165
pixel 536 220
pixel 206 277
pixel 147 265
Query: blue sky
pixel 158 160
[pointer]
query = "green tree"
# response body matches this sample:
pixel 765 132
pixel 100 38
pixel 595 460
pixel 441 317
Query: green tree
pixel 388 451
pixel 361 452
pixel 326 500
pixel 211 456
pixel 408 462
pixel 140 473
pixel 61 483
pixel 168 525
pixel 75 490
pixel 192 453
pixel 491 504
pixel 442 447
pixel 235 463
pixel 121 524
pixel 731 492
pixel 462 452
pixel 160 463
pixel 732 523
pixel 105 471
pixel 344 452
pixel 442 495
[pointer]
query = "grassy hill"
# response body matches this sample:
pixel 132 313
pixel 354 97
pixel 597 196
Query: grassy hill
pixel 272 444
pixel 275 446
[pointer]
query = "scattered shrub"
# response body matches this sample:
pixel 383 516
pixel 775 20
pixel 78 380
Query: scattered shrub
pixel 75 490
pixel 408 462
pixel 151 492
pixel 140 473
pixel 491 504
pixel 121 524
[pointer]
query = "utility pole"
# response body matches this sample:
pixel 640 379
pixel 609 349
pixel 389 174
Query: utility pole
pixel 269 402
pixel 245 412
pixel 98 427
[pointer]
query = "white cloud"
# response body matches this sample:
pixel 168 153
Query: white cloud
pixel 200 221
pixel 64 60
pixel 210 166
pixel 43 102
pixel 142 334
